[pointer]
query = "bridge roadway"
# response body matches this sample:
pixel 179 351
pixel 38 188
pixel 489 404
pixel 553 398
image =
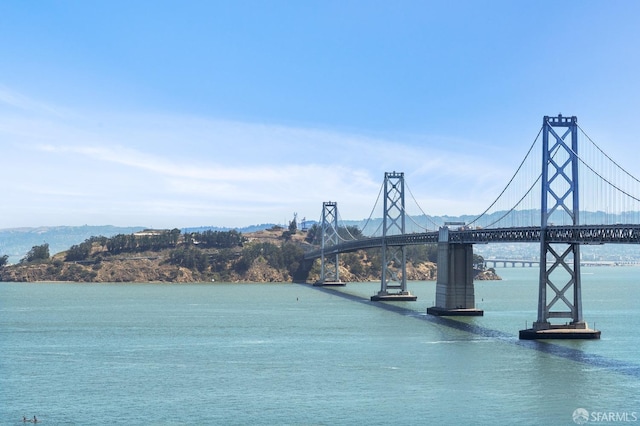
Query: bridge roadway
pixel 582 234
pixel 513 262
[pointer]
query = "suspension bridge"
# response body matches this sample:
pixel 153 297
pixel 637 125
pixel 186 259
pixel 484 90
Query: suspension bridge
pixel 538 205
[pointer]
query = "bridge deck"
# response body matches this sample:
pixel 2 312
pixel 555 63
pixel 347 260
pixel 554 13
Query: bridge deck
pixel 582 234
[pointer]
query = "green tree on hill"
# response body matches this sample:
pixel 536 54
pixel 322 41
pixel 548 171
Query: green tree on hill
pixel 37 254
pixel 190 258
pixel 314 234
pixel 215 239
pixel 79 252
pixel 293 225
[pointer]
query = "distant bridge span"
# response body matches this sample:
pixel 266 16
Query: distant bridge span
pixel 513 262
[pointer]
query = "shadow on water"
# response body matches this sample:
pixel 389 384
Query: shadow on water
pixel 540 346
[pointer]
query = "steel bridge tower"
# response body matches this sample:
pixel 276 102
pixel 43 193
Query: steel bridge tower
pixel 394 259
pixel 559 292
pixel 329 265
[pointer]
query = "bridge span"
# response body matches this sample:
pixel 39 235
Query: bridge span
pixel 559 288
pixel 524 263
pixel 581 234
pixel 494 263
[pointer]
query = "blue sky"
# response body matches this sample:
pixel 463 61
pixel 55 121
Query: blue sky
pixel 177 114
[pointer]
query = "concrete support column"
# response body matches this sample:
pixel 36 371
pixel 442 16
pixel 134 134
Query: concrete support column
pixel 455 295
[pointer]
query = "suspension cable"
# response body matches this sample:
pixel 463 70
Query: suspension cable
pixel 516 205
pixel 373 209
pixel 377 229
pixel 603 178
pixel 609 158
pixel 346 228
pixel 435 225
pixel 416 223
pixel 319 225
pixel 552 156
pixel 510 180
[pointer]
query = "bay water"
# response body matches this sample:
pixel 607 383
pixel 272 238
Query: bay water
pixel 292 354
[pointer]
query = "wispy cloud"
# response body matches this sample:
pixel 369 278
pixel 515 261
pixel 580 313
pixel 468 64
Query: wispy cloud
pixel 197 170
pixel 17 101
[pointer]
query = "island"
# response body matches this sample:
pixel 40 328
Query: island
pixel 275 254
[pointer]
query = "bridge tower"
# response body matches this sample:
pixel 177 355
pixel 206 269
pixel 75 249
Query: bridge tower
pixel 394 258
pixel 329 265
pixel 559 291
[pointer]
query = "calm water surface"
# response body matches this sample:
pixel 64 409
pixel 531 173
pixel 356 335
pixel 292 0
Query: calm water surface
pixel 244 354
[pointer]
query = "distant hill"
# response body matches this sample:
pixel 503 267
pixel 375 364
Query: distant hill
pixel 16 242
pixel 245 230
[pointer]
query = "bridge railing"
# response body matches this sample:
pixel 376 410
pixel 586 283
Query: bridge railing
pixel 595 234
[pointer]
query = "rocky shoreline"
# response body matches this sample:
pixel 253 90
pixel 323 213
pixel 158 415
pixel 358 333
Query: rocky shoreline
pixel 154 270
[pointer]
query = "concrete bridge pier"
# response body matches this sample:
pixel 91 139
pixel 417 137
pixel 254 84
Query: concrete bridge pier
pixel 455 294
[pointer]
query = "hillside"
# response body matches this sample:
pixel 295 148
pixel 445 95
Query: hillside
pixel 272 255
